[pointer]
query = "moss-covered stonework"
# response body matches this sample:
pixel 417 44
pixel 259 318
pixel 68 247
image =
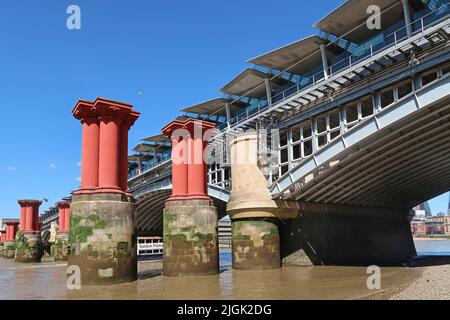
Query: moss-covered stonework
pixel 255 244
pixel 190 238
pixel 102 238
pixel 28 247
pixel 61 248
pixel 8 249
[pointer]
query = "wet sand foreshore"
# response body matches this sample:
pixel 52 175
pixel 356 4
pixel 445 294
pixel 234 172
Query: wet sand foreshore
pixel 47 281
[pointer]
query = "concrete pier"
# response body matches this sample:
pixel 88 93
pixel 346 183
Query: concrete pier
pixel 255 216
pixel 255 243
pixel 328 234
pixel 9 249
pixel 102 235
pixel 28 247
pixel 28 239
pixel 190 238
pixel 102 238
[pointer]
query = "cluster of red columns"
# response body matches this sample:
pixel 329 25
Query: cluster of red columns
pixel 29 215
pixel 10 233
pixel 104 155
pixel 64 216
pixel 189 178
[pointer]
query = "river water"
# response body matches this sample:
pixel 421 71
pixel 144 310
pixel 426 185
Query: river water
pixel 47 281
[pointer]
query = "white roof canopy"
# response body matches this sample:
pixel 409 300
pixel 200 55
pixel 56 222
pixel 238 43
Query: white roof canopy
pixel 251 79
pixel 287 57
pixel 214 107
pixel 353 13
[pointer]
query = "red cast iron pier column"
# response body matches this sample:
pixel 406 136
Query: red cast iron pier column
pixel 62 248
pixel 102 238
pixel 190 217
pixel 29 245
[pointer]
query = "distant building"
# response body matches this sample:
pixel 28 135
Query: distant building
pixel 418 228
pixel 422 226
pixel 449 203
pixel 426 207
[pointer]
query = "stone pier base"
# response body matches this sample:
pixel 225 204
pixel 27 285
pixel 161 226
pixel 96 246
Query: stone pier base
pixel 61 248
pixel 190 238
pixel 28 247
pixel 255 244
pixel 328 234
pixel 8 249
pixel 102 238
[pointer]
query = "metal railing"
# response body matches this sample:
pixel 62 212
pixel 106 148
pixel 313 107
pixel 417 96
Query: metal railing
pixel 390 40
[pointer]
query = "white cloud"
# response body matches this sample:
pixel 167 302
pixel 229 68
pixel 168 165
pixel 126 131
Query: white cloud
pixel 78 179
pixel 52 165
pixel 12 168
pixel 79 163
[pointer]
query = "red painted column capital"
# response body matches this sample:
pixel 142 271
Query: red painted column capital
pixel 62 205
pixel 31 214
pixel 105 144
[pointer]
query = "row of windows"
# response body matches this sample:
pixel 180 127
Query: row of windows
pixel 327 127
pixel 144 252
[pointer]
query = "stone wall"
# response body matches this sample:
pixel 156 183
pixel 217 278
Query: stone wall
pixel 190 238
pixel 102 238
pixel 344 235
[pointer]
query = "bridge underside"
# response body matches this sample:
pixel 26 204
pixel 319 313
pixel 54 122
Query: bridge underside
pixel 397 167
pixel 149 213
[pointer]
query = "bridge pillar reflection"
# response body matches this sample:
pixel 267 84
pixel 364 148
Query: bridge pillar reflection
pixel 255 217
pixel 28 241
pixel 102 236
pixel 61 248
pixel 190 217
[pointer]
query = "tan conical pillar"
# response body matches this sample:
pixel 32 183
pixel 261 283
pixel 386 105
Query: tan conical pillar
pixel 255 216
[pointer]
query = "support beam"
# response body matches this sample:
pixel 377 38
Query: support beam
pixel 268 91
pixel 323 52
pixel 407 17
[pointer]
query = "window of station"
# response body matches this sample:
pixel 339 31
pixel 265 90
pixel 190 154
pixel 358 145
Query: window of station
pixel 296 134
pixel 351 113
pixel 334 119
pixel 386 98
pixel 284 155
pixel 446 70
pixel 283 138
pixel 306 131
pixel 322 140
pixel 429 77
pixel 404 89
pixel 366 106
pixel 307 148
pixel 301 142
pixel 297 151
pixel 321 124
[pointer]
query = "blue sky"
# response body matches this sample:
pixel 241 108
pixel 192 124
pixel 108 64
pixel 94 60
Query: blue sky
pixel 177 52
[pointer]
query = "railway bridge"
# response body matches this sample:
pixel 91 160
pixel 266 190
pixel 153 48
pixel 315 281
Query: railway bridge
pixel 349 129
pixel 318 150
